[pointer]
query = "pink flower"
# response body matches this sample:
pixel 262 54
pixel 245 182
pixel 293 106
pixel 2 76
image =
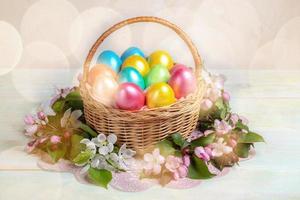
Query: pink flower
pixel 244 120
pixel 222 127
pixel 55 139
pixel 203 153
pixel 60 93
pixel 153 162
pixel 176 166
pixel 31 145
pixel 29 120
pixel 194 135
pixel 41 115
pixel 207 132
pixel 232 143
pixel 226 96
pixel 30 130
pixel 206 104
pixel 186 160
pixel 34 143
pixel 219 148
pixel 234 118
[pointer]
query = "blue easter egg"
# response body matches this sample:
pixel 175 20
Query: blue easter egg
pixel 130 74
pixel 110 59
pixel 132 51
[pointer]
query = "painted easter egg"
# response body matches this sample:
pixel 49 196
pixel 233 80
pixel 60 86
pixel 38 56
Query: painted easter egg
pixel 137 62
pixel 130 74
pixel 130 52
pixel 161 58
pixel 110 59
pixel 159 94
pixel 129 97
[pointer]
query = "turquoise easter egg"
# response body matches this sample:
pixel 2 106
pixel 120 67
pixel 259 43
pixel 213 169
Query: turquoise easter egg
pixel 130 74
pixel 130 52
pixel 110 59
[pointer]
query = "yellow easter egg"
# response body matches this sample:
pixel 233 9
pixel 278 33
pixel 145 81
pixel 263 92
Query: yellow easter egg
pixel 160 94
pixel 161 58
pixel 137 62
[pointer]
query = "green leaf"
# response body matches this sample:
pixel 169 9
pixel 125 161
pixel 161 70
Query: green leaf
pixel 241 126
pixel 100 177
pixel 251 137
pixel 203 141
pixel 58 106
pixel 88 129
pixel 74 101
pixel 198 169
pixel 58 153
pixel 178 139
pixel 166 147
pixel 242 150
pixel 76 146
pixel 83 157
pixel 73 96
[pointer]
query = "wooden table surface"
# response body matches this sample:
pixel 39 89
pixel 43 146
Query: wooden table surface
pixel 270 99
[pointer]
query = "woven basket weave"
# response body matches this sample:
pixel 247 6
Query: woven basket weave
pixel 141 129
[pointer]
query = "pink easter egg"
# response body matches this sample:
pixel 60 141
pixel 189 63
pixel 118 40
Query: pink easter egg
pixel 183 82
pixel 177 67
pixel 130 97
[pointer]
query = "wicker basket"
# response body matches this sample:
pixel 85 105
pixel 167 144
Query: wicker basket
pixel 141 129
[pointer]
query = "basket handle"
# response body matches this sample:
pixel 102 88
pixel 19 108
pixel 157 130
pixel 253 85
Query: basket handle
pixel 164 22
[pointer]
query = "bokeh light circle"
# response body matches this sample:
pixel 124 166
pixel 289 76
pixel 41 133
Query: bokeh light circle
pixel 42 66
pixel 11 47
pixel 49 21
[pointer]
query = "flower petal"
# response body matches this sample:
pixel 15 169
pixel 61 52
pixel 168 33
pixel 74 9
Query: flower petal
pixel 76 114
pixel 227 149
pixel 148 157
pixel 31 129
pixel 85 141
pixel 101 137
pixel 128 153
pixel 84 169
pixel 110 147
pixel 156 169
pixel 122 149
pixel 65 118
pixel 95 162
pixel 160 159
pixel 112 138
pixel 103 150
pixel 156 152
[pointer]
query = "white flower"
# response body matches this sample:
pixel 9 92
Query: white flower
pixel 105 144
pixel 70 119
pixel 90 145
pixel 121 158
pixel 100 162
pixel 153 162
pixel 220 148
